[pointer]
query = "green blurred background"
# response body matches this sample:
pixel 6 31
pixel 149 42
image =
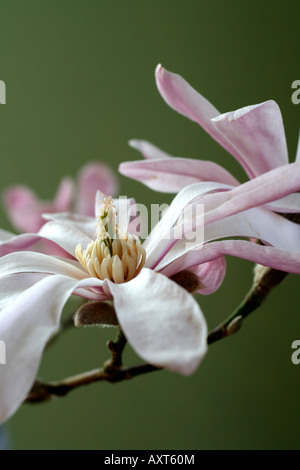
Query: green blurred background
pixel 80 84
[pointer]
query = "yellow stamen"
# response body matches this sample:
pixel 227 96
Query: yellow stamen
pixel 111 256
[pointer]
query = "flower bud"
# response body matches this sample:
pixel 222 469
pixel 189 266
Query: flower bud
pixel 96 313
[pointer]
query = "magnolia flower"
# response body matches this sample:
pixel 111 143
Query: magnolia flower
pixel 25 210
pixel 254 135
pixel 149 283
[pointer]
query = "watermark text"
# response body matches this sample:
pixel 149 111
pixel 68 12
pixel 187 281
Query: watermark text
pixel 2 92
pixel 2 353
pixel 296 95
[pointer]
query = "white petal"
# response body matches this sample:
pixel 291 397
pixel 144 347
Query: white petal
pixel 25 326
pixel 159 241
pixel 67 236
pixel 31 262
pixel 162 322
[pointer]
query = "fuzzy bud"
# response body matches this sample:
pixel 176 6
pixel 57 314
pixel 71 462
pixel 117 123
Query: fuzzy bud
pixel 96 313
pixel 188 280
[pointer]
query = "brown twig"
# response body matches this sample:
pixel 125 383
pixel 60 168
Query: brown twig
pixel 264 281
pixel 46 391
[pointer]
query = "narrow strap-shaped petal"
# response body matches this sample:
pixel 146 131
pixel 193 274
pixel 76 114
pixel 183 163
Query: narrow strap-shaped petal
pixel 85 224
pixel 148 150
pixel 67 236
pixel 160 241
pixel 13 285
pixel 258 223
pixel 24 209
pixel 64 196
pixel 25 326
pixel 289 203
pixel 32 262
pixel 12 242
pixel 93 177
pixel 270 186
pixel 162 321
pixel 182 97
pixel 276 258
pixel 257 133
pixel 171 175
pixel 298 150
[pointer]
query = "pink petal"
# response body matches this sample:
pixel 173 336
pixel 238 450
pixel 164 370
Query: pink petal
pixel 298 150
pixel 159 240
pixel 257 133
pixel 91 178
pixel 24 209
pixel 18 243
pixel 210 274
pixel 9 243
pixel 270 186
pixel 276 258
pixel 257 223
pixel 162 322
pixel 148 150
pixel 64 196
pixel 180 96
pixel 25 326
pixel 172 175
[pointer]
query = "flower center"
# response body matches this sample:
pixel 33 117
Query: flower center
pixel 115 256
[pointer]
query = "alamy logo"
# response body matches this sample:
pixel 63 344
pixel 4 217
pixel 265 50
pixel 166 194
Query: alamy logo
pixel 295 356
pixel 2 352
pixel 296 95
pixel 2 92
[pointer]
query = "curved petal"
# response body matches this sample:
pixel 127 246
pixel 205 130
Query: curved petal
pixel 91 178
pixel 24 209
pixel 172 175
pixel 257 133
pixel 289 203
pixel 180 96
pixel 276 258
pixel 25 326
pixel 148 150
pixel 298 150
pixel 31 262
pixel 210 274
pixel 263 189
pixel 162 322
pixel 257 223
pixel 64 196
pixel 86 224
pixel 12 243
pixel 67 236
pixel 13 285
pixel 160 239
